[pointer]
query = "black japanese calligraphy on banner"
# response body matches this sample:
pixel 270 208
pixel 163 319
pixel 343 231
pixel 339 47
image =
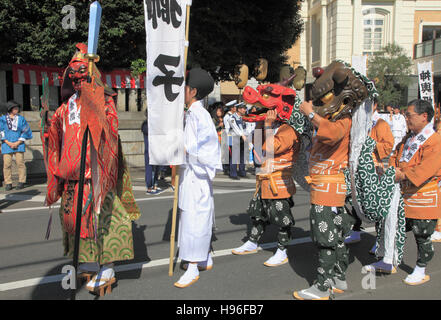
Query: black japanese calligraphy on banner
pixel 425 75
pixel 165 75
pixel 166 10
pixel 426 87
pixel 425 80
pixel 428 99
pixel 168 79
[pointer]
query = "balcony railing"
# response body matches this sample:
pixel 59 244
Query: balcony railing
pixel 427 48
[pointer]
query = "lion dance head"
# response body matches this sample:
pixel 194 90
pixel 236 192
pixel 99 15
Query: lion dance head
pixel 338 90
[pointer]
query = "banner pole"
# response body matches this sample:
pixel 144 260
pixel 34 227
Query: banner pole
pixel 175 200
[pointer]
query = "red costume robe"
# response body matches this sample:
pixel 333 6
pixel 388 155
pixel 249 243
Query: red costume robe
pixel 64 155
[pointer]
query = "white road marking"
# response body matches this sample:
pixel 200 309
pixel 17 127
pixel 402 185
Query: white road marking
pixel 143 265
pixel 22 197
pixel 151 198
pixel 249 179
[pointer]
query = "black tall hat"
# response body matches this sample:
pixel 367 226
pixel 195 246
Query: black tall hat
pixel 202 81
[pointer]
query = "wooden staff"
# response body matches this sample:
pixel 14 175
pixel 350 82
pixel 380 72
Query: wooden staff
pixel 175 200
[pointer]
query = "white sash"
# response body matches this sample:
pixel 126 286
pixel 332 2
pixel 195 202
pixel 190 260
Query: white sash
pixel 74 112
pixel 414 142
pixel 12 123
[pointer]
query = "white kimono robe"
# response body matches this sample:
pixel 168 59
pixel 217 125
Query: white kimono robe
pixel 399 128
pixel 195 186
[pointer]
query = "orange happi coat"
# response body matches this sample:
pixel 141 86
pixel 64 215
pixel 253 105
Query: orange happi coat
pixel 329 157
pixel 382 134
pixel 286 148
pixel 420 191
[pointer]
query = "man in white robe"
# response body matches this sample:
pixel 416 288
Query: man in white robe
pixel 203 158
pixel 399 126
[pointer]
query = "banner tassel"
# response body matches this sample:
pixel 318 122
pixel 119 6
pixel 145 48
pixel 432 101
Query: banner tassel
pixel 49 224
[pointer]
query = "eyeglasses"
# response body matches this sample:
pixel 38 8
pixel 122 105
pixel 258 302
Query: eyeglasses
pixel 410 115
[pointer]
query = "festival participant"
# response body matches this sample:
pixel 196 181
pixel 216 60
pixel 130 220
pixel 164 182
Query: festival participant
pixel 387 115
pixel 418 169
pixel 399 127
pixel 14 131
pixel 329 220
pixel 280 138
pixel 340 96
pixel 195 187
pixel 108 202
pixel 436 236
pixel 384 139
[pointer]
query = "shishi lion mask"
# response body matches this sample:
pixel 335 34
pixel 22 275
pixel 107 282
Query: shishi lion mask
pixel 336 91
pixel 277 96
pixel 269 97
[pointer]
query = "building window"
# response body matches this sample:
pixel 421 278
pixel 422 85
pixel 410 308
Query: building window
pixel 431 32
pixel 373 32
pixel 376 29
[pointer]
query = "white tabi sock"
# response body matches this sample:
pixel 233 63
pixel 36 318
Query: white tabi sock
pixel 419 271
pixel 191 274
pixel 418 274
pixel 279 257
pixel 247 246
pixel 106 273
pixel 436 236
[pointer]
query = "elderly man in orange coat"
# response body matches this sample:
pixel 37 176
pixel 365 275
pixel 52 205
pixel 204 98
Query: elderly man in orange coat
pixel 418 168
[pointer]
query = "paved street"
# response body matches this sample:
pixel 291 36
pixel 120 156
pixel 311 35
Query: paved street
pixel 30 266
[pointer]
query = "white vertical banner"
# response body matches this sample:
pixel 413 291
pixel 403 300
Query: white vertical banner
pixel 359 63
pixel 425 81
pixel 165 79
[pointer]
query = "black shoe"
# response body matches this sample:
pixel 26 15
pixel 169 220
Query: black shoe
pixel 243 175
pixel 234 178
pixel 8 187
pixel 20 186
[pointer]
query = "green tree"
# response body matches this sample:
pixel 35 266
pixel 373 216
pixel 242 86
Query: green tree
pixel 228 32
pixel 390 69
pixel 222 33
pixel 32 32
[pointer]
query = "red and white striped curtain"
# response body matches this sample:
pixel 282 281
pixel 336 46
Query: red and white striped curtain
pixel 31 74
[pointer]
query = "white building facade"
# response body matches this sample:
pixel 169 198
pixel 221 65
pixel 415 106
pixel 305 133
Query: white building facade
pixel 340 29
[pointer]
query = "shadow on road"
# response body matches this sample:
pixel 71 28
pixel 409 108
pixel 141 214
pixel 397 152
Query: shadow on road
pixel 12 197
pixel 242 219
pixel 168 226
pixel 360 250
pixel 54 291
pixel 141 253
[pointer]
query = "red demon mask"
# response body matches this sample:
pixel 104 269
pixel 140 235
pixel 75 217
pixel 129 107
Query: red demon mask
pixel 78 67
pixel 269 97
pixel 78 74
